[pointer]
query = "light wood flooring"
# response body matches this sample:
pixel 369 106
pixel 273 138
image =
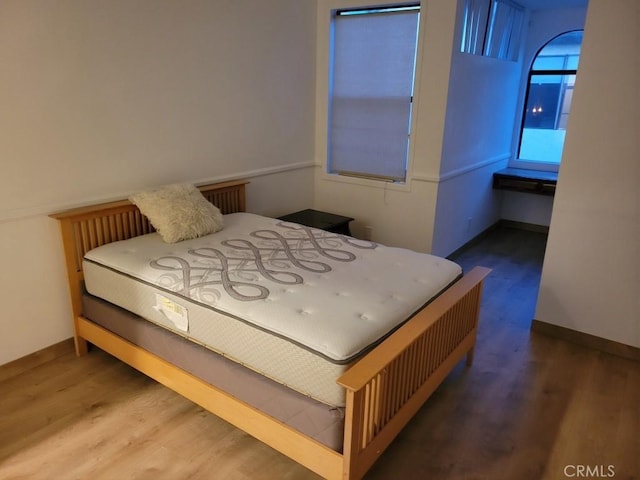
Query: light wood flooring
pixel 530 407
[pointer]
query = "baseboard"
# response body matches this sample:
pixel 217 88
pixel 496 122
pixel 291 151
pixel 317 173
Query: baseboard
pixel 499 224
pixel 531 227
pixel 586 340
pixel 21 365
pixel 474 240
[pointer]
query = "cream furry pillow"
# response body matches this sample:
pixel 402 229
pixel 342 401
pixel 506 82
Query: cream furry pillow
pixel 178 212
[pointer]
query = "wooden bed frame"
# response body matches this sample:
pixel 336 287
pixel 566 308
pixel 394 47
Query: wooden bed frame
pixel 384 389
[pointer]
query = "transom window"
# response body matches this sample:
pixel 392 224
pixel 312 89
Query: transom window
pixel 492 28
pixel 548 99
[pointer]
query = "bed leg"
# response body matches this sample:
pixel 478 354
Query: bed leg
pixel 82 346
pixel 470 356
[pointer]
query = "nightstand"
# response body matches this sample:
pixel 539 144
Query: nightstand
pixel 323 220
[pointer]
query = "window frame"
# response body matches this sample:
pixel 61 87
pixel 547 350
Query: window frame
pixel 524 162
pixel 481 28
pixel 326 11
pixel 393 172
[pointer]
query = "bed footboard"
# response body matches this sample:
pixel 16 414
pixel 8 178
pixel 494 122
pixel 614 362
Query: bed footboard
pixel 387 387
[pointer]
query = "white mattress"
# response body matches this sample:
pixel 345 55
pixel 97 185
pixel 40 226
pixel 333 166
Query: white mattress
pixel 293 303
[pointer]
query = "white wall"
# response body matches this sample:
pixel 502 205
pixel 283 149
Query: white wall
pixel 590 280
pixel 103 98
pixel 107 90
pixel 482 100
pixel 526 208
pixel 543 26
pixel 467 205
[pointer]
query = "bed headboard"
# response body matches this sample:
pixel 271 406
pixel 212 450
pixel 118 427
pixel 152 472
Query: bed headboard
pixel 89 227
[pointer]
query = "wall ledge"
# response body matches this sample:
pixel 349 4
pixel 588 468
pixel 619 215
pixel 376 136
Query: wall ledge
pixel 14 215
pixel 448 175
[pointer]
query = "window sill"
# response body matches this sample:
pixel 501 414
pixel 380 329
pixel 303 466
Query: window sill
pixel 367 182
pixel 524 180
pixel 534 165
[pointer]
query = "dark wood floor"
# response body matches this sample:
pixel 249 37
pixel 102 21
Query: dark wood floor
pixel 530 407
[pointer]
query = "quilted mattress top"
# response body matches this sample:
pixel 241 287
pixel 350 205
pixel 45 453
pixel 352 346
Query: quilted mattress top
pixel 332 294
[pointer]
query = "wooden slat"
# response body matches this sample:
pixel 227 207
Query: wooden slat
pixel 365 457
pixel 388 382
pixel 88 227
pixel 374 362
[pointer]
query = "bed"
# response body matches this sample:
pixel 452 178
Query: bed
pixel 377 390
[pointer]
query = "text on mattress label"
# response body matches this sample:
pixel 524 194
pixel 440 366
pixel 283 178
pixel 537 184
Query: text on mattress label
pixel 174 312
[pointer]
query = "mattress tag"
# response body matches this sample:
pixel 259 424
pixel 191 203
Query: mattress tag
pixel 174 312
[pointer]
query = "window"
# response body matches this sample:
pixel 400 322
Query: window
pixel 548 99
pixel 371 91
pixel 492 28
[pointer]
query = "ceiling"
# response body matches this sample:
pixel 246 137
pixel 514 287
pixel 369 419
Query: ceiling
pixel 548 4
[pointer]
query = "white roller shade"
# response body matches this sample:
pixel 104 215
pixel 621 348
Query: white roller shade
pixel 372 88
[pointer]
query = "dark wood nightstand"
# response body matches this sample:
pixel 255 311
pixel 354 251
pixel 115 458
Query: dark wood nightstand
pixel 323 220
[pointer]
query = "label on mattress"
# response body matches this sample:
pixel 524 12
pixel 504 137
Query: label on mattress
pixel 175 313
